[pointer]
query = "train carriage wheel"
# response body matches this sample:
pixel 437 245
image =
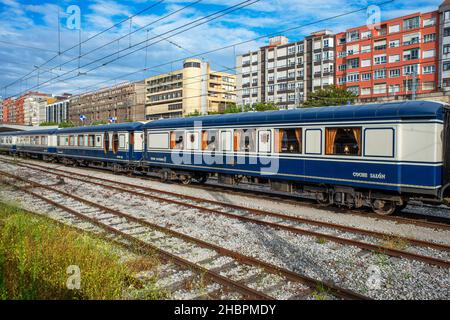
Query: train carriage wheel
pixel 323 198
pixel 384 207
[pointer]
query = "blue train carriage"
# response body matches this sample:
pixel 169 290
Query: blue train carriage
pixel 7 143
pixel 376 155
pixel 118 146
pixel 38 144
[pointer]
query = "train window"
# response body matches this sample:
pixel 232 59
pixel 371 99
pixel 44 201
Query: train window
pixel 265 141
pixel 288 140
pixel 343 141
pixel 81 141
pixel 226 141
pixel 91 140
pixel 115 143
pixel 44 141
pixel 106 142
pixel 177 140
pixel 372 145
pixel 98 141
pixel 192 142
pixel 122 141
pixel 158 140
pixel 245 140
pixel 210 140
pixel 71 141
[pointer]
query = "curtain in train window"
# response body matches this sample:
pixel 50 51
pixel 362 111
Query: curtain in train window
pixel 81 141
pixel 210 141
pixel 288 140
pixel 106 142
pixel 91 140
pixel 177 140
pixel 245 140
pixel 343 141
pixel 115 143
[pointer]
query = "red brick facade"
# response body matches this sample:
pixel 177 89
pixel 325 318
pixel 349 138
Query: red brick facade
pixel 381 62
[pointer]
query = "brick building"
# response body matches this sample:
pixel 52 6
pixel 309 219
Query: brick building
pixel 124 102
pixel 396 60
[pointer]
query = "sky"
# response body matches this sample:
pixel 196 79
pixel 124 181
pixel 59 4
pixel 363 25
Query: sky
pixel 33 33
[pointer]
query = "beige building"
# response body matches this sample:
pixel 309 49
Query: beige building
pixel 123 102
pixel 193 89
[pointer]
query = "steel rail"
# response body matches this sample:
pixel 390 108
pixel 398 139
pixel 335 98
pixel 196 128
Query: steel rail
pixel 377 234
pixel 293 276
pixel 363 245
pixel 150 249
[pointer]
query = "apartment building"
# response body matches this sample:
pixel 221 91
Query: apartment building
pixel 1 110
pixel 285 73
pixel 396 60
pixel 32 108
pixel 7 105
pixel 121 103
pixel 444 46
pixel 57 111
pixel 193 89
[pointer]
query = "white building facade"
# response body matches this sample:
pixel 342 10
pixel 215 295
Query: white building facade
pixel 285 73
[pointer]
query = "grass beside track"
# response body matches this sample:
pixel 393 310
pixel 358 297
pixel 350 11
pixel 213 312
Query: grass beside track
pixel 36 252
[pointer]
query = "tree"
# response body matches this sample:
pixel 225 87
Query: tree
pixel 48 124
pixel 330 96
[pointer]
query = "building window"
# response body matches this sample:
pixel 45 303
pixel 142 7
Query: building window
pixel 411 23
pixel 343 141
pixel 446 32
pixel 354 90
pixel 366 76
pixel 380 45
pixel 429 22
pixel 395 73
pixel 411 54
pixel 380 74
pixel 288 141
pixel 429 69
pixel 394 28
pixel 353 63
pixel 410 69
pixel 393 89
pixel 446 66
pixel 429 37
pixel 428 54
pixel 379 88
pixel 446 48
pixel 380 59
pixel 394 58
pixel 427 86
pixel 342 67
pixel 353 77
pixel 394 43
pixel 366 91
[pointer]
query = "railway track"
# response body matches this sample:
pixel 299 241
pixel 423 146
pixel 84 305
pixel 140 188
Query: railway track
pixel 162 240
pixel 282 221
pixel 404 217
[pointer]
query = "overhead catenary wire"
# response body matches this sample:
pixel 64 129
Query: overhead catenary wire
pixel 221 13
pixel 89 39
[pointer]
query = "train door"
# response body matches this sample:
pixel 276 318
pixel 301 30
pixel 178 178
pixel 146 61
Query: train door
pixel 137 147
pixel 446 144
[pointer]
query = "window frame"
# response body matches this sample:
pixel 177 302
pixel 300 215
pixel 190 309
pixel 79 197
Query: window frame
pixel 361 148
